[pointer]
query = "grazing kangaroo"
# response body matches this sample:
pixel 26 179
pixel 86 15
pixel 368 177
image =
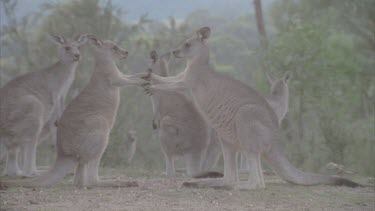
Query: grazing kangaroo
pixel 241 116
pixel 31 103
pixel 84 128
pixel 131 145
pixel 182 129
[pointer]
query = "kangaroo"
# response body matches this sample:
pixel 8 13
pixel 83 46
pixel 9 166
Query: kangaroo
pixel 31 103
pixel 131 145
pixel 84 128
pixel 277 98
pixel 182 129
pixel 242 118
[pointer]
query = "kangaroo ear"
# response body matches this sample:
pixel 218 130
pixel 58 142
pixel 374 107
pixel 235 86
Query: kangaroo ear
pixel 82 39
pixel 154 56
pixel 287 76
pixel 204 33
pixel 60 40
pixel 269 78
pixel 94 41
pixel 166 56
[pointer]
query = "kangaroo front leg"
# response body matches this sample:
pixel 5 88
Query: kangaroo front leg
pixel 155 79
pixel 124 80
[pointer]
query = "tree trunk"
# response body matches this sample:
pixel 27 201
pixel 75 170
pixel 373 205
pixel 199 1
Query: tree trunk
pixel 260 23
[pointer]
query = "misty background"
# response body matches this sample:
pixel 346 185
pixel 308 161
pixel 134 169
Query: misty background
pixel 329 46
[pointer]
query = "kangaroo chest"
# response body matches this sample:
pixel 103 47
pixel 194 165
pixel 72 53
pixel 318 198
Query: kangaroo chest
pixel 58 90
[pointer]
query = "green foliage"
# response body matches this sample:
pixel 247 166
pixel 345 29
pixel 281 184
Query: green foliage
pixel 331 86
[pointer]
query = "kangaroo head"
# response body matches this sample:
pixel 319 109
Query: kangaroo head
pixel 195 46
pixel 107 48
pixel 69 50
pixel 159 66
pixel 279 86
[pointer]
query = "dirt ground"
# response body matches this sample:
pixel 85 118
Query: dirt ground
pixel 160 193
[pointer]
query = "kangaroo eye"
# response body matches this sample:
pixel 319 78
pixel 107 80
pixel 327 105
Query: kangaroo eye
pixel 187 45
pixel 67 48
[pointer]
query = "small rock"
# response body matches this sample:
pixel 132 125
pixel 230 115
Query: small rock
pixel 33 202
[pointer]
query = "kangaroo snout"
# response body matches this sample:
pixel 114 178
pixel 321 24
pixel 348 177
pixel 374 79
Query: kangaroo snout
pixel 125 54
pixel 76 57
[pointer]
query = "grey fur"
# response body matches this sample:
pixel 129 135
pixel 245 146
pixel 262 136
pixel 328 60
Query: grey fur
pixel 181 128
pixel 241 116
pixel 84 128
pixel 30 104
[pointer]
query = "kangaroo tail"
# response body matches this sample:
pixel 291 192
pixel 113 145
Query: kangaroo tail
pixel 61 168
pixel 288 172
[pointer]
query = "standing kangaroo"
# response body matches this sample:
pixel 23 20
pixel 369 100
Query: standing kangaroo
pixel 278 98
pixel 241 116
pixel 31 103
pixel 182 129
pixel 84 128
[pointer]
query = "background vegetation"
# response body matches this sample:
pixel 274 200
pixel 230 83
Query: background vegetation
pixel 328 45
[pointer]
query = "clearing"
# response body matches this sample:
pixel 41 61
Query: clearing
pixel 157 192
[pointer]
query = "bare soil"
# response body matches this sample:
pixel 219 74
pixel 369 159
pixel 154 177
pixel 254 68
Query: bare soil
pixel 156 192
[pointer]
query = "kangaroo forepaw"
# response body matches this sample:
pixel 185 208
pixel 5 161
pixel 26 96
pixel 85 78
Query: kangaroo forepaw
pixel 148 76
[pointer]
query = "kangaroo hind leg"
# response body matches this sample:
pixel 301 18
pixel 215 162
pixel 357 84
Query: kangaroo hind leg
pixel 80 177
pixel 230 171
pixel 11 167
pixel 253 135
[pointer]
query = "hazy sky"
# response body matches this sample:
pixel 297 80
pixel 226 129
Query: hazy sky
pixel 160 9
